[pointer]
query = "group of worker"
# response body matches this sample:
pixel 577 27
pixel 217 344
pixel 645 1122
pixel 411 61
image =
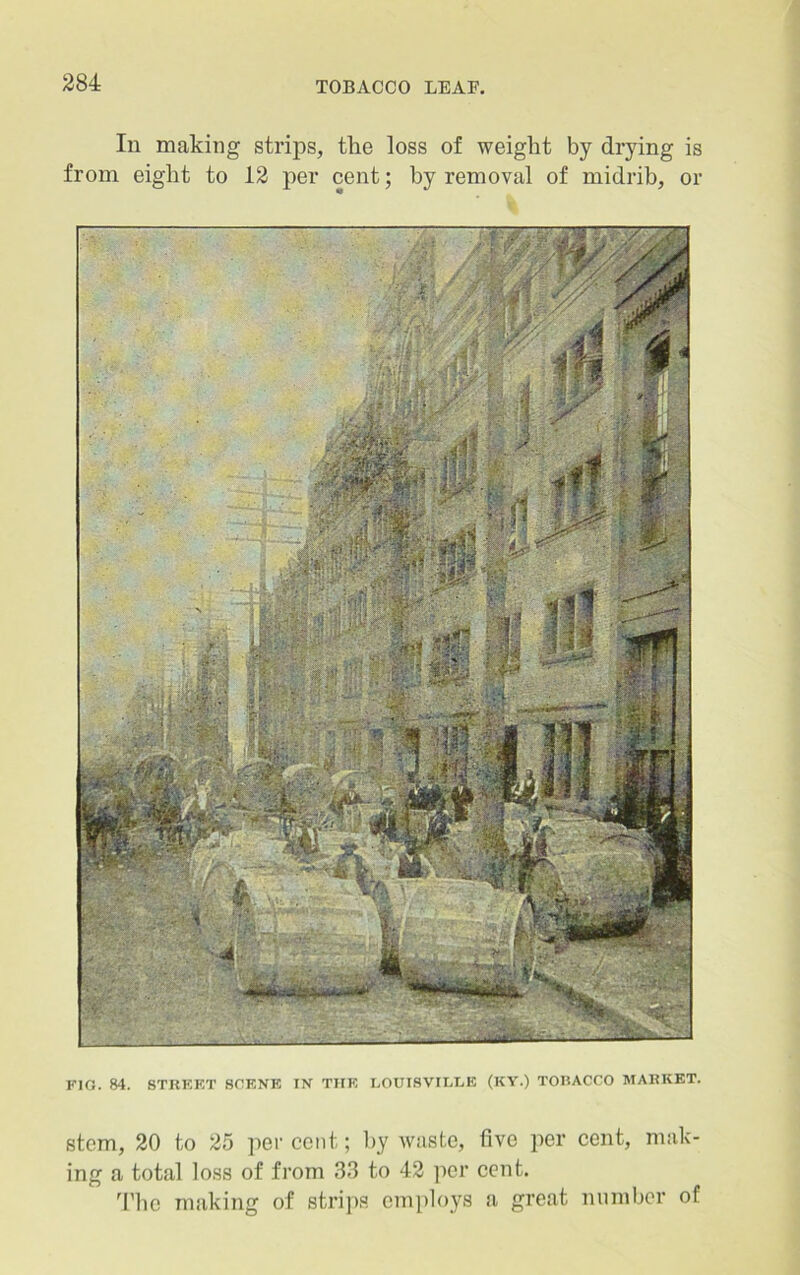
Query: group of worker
pixel 408 861
pixel 429 796
pixel 376 858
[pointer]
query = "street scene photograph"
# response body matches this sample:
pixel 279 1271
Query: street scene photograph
pixel 384 635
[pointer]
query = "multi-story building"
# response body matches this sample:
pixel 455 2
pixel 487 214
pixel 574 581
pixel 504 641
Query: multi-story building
pixel 498 541
pixel 283 719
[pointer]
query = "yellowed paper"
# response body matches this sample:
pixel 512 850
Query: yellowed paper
pixel 620 1153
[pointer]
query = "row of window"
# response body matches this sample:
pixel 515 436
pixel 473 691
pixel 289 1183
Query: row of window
pixel 578 369
pixel 340 618
pixel 456 556
pixel 354 551
pixel 450 656
pixel 569 625
pixel 352 677
pixel 517 308
pixel 458 371
pixel 457 466
pixel 412 664
pixel 451 750
pixel 568 630
pixel 449 659
pixel 414 578
pixel 573 247
pixel 576 494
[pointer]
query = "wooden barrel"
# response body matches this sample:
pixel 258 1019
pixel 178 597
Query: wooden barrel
pixel 203 856
pixel 565 832
pixel 590 893
pixel 258 786
pixel 306 788
pixel 153 771
pixel 304 935
pixel 215 912
pixel 253 847
pixel 391 897
pixel 465 936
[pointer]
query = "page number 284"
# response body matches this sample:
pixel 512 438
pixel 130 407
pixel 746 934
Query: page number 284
pixel 81 83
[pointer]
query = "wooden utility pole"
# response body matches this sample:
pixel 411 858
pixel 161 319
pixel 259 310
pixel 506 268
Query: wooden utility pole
pixel 264 527
pixel 250 745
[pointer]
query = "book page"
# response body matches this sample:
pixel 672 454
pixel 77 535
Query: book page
pixel 397 625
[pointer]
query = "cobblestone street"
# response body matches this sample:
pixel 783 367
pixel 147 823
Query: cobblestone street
pixel 146 979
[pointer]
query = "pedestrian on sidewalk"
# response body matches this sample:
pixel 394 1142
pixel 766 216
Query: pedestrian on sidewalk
pixel 665 835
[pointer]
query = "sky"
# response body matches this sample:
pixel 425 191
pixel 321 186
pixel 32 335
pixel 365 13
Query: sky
pixel 205 354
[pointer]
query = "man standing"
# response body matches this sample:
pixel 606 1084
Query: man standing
pixel 415 794
pixel 409 863
pixel 350 866
pixel 431 794
pixel 351 797
pixel 462 798
pixel 665 835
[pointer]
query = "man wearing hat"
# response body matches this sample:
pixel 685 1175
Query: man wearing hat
pixel 408 862
pixel 350 866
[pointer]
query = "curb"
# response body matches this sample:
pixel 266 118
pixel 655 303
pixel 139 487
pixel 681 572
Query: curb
pixel 643 1024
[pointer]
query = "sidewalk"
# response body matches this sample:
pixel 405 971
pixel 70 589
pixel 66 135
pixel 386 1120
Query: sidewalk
pixel 643 979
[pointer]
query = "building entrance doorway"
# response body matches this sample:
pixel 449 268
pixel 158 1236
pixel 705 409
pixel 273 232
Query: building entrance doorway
pixel 651 773
pixel 509 760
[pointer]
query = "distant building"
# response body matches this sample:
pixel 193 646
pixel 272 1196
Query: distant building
pixel 498 539
pixel 198 708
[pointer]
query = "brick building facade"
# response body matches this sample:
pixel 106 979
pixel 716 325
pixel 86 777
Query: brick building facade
pixel 496 570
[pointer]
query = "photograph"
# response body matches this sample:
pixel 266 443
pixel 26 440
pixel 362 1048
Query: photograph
pixel 384 635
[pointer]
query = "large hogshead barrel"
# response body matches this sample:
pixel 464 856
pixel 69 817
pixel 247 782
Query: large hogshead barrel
pixel 258 786
pixel 215 913
pixel 252 847
pixel 304 935
pixel 563 832
pixel 591 893
pixel 203 855
pixel 465 936
pixel 306 788
pixel 391 897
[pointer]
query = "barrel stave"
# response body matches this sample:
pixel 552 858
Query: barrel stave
pixel 466 936
pixel 304 935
